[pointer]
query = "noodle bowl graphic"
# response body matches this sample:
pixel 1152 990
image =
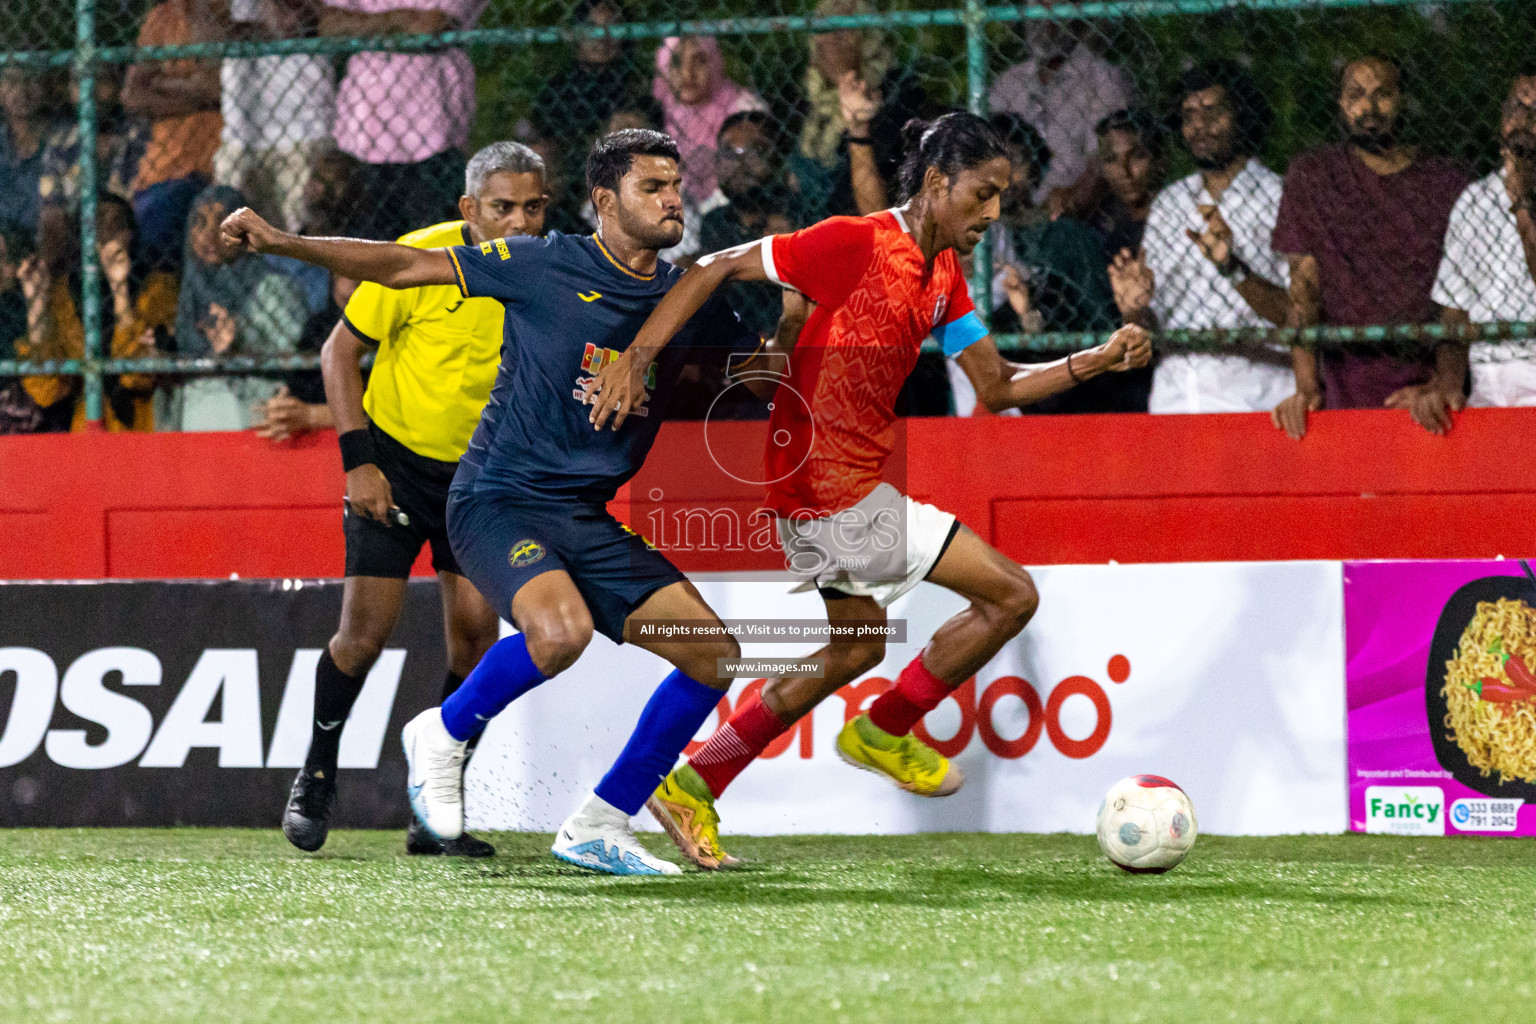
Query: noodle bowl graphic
pixel 1482 724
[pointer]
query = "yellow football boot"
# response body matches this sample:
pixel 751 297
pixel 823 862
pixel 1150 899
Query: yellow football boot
pixel 905 760
pixel 684 806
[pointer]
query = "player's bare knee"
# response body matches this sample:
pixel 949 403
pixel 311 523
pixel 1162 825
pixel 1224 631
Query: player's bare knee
pixel 864 656
pixel 555 641
pixel 355 650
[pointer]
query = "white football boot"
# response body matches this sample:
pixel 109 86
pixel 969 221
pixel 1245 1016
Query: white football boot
pixel 598 837
pixel 434 774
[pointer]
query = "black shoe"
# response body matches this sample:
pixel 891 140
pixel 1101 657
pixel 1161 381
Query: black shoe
pixel 419 841
pixel 307 819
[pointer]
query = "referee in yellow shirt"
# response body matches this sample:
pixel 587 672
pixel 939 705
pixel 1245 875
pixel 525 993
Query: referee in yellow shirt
pixel 436 358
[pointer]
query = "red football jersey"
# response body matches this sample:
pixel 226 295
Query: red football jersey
pixel 877 299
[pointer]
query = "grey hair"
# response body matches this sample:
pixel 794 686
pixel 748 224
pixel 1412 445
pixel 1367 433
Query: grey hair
pixel 512 157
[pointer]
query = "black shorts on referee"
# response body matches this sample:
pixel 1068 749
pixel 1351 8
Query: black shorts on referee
pixel 419 486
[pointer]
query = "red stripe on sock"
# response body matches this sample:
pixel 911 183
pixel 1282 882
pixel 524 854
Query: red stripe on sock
pixel 736 743
pixel 917 692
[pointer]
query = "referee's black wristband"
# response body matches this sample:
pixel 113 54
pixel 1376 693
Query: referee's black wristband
pixel 356 448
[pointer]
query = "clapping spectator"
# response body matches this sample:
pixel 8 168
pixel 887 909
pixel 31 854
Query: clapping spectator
pixel 575 104
pixel 278 110
pixel 1065 90
pixel 181 100
pixel 1362 223
pixel 1049 273
pixel 859 98
pixel 140 306
pixel 696 97
pixel 30 128
pixel 1130 162
pixel 233 303
pixel 754 200
pixel 1206 259
pixel 1488 272
pixel 405 115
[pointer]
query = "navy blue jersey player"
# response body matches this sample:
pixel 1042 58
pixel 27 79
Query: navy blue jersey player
pixel 527 516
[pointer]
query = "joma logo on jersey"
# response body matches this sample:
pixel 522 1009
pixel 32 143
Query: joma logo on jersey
pixel 596 358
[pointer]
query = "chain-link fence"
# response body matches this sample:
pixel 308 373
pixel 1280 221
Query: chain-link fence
pixel 1176 161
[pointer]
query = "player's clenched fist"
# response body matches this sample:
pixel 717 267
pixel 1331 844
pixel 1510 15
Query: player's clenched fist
pixel 246 230
pixel 1129 348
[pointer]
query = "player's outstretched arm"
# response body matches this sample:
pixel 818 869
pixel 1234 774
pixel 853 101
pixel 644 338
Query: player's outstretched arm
pixel 620 386
pixel 1001 384
pixel 386 263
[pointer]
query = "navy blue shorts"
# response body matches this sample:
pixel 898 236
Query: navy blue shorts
pixel 501 543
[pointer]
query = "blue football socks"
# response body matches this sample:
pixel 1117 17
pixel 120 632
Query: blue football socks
pixel 671 717
pixel 503 675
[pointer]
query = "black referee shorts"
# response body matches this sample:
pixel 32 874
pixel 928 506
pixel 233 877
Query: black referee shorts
pixel 420 489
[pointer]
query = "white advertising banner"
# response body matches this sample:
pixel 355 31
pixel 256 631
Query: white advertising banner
pixel 1226 677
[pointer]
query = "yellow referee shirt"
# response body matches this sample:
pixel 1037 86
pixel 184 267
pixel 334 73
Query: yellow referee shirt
pixel 438 355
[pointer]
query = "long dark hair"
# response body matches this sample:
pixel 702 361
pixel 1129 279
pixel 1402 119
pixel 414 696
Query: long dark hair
pixel 951 142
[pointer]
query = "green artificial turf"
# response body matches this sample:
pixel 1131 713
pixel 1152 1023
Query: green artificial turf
pixel 214 925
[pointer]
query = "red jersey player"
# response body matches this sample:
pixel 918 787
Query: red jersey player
pixel 881 284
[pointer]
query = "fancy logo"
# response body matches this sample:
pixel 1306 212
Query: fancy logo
pixel 595 358
pixel 525 552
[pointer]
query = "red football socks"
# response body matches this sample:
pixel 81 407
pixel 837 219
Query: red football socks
pixel 917 692
pixel 736 743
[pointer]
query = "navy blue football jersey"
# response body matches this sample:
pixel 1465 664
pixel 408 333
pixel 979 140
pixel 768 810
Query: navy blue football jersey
pixel 571 307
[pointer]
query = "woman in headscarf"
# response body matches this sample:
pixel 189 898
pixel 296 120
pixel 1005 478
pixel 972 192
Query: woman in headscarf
pixel 233 303
pixel 696 97
pixel 857 100
pixel 138 306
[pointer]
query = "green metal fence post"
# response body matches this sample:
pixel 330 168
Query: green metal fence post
pixel 90 268
pixel 976 102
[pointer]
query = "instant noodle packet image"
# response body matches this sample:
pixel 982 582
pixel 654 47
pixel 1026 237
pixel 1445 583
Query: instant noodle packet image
pixel 1440 679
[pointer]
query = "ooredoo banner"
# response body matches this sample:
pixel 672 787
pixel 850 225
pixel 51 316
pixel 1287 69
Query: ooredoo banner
pixel 1441 683
pixel 190 702
pixel 1227 678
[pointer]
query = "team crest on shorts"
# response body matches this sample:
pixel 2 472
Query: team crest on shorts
pixel 939 306
pixel 525 552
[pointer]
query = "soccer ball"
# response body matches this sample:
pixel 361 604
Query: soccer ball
pixel 1146 824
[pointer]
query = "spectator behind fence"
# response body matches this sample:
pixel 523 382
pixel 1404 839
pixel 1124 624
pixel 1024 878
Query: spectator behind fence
pixel 120 141
pixel 696 97
pixel 755 200
pixel 575 104
pixel 31 127
pixel 1206 259
pixel 1049 273
pixel 858 98
pixel 1362 223
pixel 181 100
pixel 137 311
pixel 406 116
pixel 18 412
pixel 1065 90
pixel 1130 161
pixel 278 110
pixel 1488 272
pixel 233 303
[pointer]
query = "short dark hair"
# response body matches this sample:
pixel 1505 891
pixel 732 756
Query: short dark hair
pixel 1250 108
pixel 614 154
pixel 583 10
pixel 759 118
pixel 951 142
pixel 1016 131
pixel 1140 122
